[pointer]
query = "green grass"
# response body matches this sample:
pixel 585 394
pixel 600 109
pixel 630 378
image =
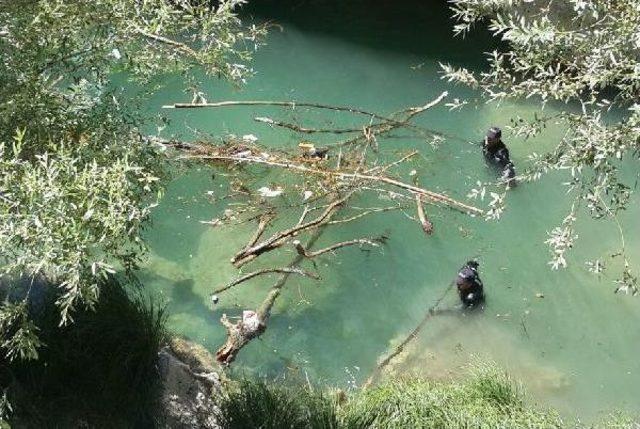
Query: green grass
pixel 257 404
pixel 487 398
pixel 100 370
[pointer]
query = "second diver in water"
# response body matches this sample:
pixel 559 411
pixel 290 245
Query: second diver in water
pixel 496 153
pixel 470 286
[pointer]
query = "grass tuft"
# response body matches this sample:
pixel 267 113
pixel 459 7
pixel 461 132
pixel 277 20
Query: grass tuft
pixel 258 404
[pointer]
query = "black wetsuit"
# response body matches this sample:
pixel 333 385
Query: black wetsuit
pixel 470 286
pixel 497 154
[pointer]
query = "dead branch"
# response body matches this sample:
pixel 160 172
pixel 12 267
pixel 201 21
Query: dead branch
pixel 433 196
pixel 363 214
pixel 382 169
pixel 427 226
pixel 375 242
pixel 300 129
pixel 287 270
pixel 413 334
pixel 392 124
pixel 238 335
pixel 291 104
pixel 262 226
pixel 279 238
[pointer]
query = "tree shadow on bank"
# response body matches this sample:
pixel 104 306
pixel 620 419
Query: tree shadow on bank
pixel 100 371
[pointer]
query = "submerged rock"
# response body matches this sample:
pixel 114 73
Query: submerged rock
pixel 190 384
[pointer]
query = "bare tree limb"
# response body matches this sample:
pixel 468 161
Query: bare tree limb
pixel 291 104
pixel 433 196
pixel 280 237
pixel 237 334
pixel 287 270
pixel 300 129
pixel 363 214
pixel 382 169
pixel 262 226
pixel 375 242
pixel 427 226
pixel 413 334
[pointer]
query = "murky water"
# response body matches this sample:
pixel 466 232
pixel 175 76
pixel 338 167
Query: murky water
pixel 576 349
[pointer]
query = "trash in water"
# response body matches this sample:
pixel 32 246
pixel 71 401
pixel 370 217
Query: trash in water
pixel 269 193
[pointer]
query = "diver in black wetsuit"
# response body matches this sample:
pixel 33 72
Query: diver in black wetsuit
pixel 496 153
pixel 470 286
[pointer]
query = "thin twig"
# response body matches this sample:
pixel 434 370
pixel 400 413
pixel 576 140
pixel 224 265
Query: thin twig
pixel 284 270
pixel 413 334
pixel 427 226
pixel 277 239
pixel 300 129
pixel 307 254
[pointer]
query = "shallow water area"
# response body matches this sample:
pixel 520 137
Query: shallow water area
pixel 565 334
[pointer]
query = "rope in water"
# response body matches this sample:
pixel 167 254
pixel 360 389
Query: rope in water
pixel 413 334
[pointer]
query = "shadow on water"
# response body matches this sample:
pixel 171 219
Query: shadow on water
pixel 418 27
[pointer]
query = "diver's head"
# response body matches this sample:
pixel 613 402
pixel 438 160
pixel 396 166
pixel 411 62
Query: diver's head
pixel 473 264
pixel 494 134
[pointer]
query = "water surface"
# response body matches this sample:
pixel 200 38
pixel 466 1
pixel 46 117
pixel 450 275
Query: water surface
pixel 575 349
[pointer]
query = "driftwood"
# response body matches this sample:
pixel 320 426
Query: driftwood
pixel 304 130
pixel 355 171
pixel 307 254
pixel 427 226
pixel 291 104
pixel 412 335
pixel 433 196
pixel 279 238
pixel 238 335
pixel 249 276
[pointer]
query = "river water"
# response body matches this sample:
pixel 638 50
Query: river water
pixel 576 348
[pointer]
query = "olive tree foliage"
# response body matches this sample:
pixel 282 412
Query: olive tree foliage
pixel 583 55
pixel 77 175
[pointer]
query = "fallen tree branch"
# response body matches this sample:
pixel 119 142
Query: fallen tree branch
pixel 413 334
pixel 363 214
pixel 427 226
pixel 307 254
pixel 292 104
pixel 287 270
pixel 278 239
pixel 238 335
pixel 300 129
pixel 382 169
pixel 433 196
pixel 262 226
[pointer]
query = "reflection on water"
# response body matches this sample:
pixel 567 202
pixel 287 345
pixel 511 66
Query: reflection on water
pixel 575 348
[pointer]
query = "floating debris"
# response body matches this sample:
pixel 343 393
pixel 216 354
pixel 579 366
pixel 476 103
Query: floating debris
pixel 250 138
pixel 269 193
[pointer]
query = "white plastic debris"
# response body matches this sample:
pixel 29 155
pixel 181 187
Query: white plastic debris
pixel 413 173
pixel 269 193
pixel 306 195
pixel 250 320
pixel 250 138
pixel 115 53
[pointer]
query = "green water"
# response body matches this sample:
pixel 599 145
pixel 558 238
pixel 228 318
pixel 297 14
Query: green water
pixel 575 349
